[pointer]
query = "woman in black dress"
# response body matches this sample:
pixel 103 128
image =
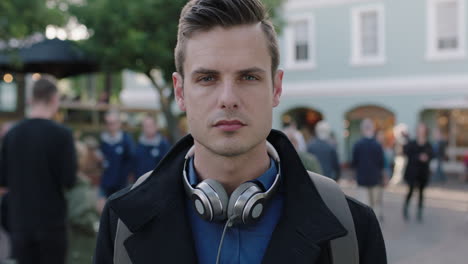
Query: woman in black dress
pixel 419 154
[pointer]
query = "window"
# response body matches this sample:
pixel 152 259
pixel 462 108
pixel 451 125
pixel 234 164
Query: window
pixel 446 27
pixel 299 36
pixel 301 44
pixel 367 35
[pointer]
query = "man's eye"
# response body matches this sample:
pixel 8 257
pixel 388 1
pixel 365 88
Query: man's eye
pixel 249 78
pixel 206 79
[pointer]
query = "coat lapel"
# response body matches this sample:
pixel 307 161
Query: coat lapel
pixel 167 239
pixel 156 215
pixel 306 224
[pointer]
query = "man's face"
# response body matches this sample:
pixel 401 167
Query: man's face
pixel 228 90
pixel 112 124
pixel 149 127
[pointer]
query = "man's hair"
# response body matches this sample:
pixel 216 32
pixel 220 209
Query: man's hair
pixel 323 130
pixel 204 15
pixel 44 90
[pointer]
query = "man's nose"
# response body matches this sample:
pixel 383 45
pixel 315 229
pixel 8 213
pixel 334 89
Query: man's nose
pixel 228 98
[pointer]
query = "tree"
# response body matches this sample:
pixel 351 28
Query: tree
pixel 20 19
pixel 140 36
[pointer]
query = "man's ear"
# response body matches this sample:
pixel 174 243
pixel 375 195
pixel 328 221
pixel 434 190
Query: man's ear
pixel 277 87
pixel 178 83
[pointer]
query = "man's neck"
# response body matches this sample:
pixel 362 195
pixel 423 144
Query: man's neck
pixel 42 111
pixel 231 171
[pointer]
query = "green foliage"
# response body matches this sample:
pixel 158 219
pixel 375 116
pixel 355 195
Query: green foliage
pixel 273 10
pixel 138 35
pixel 21 18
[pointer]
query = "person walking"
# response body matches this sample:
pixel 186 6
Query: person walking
pixel 150 149
pixel 419 154
pixel 440 153
pixel 309 161
pixel 368 163
pixel 83 215
pixel 38 162
pixel 117 150
pixel 326 154
pixel 234 190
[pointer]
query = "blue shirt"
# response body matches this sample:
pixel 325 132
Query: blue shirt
pixel 117 152
pixel 242 244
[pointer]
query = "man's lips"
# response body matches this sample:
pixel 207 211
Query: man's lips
pixel 229 125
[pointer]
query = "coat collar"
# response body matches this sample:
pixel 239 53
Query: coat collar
pixel 155 212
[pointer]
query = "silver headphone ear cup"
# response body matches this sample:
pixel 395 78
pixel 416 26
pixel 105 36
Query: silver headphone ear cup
pixel 254 208
pixel 216 197
pixel 239 199
pixel 202 204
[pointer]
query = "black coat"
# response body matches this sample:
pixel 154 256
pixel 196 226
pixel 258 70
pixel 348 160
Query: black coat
pixel 368 161
pixel 417 171
pixel 155 212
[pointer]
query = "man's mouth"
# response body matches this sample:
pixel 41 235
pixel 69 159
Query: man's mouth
pixel 229 125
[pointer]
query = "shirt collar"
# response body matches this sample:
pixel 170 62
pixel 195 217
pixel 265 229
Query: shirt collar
pixel 265 180
pixel 154 141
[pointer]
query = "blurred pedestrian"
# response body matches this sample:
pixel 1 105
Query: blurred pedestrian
pixel 117 150
pixel 324 151
pixel 93 165
pixel 368 163
pixel 83 215
pixel 419 154
pixel 465 161
pixel 401 139
pixel 440 153
pixel 38 162
pixel 389 155
pixel 309 161
pixel 301 145
pixel 151 147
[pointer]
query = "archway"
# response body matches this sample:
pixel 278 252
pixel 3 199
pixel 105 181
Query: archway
pixel 305 119
pixel 383 118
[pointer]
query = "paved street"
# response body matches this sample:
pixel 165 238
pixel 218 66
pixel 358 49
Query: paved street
pixel 443 235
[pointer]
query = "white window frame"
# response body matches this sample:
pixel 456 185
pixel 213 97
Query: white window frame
pixel 291 62
pixel 433 53
pixel 357 58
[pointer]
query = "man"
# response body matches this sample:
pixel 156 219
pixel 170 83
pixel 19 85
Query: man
pixel 151 147
pixel 38 162
pixel 368 162
pixel 326 154
pixel 117 150
pixel 227 81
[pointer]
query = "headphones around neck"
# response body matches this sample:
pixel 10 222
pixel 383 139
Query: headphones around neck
pixel 245 205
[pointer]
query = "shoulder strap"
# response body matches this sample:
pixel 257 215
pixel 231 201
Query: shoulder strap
pixel 344 249
pixel 122 232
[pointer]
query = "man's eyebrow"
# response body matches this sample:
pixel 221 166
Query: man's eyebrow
pixel 252 70
pixel 204 71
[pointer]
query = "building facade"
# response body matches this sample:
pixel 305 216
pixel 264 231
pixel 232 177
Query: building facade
pixel 395 61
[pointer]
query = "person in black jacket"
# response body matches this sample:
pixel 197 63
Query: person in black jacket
pixel 38 163
pixel 234 190
pixel 368 162
pixel 419 154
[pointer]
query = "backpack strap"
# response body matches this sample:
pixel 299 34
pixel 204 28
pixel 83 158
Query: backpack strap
pixel 344 249
pixel 122 232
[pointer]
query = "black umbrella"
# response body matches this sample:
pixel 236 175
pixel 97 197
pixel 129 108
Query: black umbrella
pixel 61 58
